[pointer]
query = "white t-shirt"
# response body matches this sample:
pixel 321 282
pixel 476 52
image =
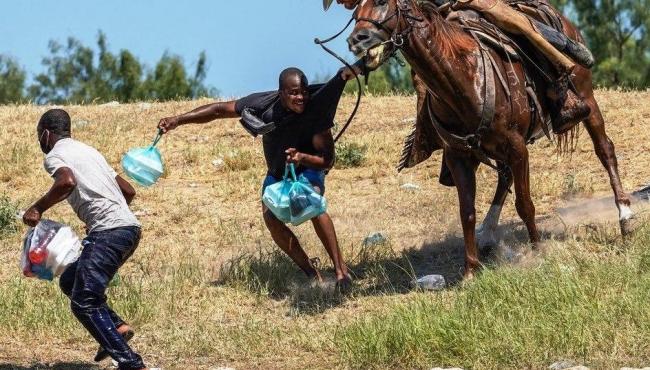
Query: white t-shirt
pixel 97 198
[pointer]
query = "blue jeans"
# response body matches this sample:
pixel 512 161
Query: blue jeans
pixel 85 282
pixel 315 177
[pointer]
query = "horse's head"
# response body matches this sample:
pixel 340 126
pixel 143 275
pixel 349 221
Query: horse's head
pixel 349 4
pixel 372 37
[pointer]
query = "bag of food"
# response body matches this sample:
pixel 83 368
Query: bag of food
pixel 48 249
pixel 144 165
pixel 305 203
pixel 276 196
pixel 293 200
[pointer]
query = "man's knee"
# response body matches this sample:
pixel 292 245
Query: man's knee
pixel 81 301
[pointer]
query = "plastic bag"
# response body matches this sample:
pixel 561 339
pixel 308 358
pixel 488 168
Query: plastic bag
pixel 144 165
pixel 305 203
pixel 48 249
pixel 293 200
pixel 276 196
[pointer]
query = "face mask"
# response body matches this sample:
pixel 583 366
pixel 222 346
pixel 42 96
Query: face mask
pixel 44 143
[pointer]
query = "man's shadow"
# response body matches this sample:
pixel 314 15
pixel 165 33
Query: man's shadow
pixel 377 269
pixel 55 366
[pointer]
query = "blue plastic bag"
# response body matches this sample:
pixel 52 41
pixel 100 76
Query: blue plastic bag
pixel 293 200
pixel 144 165
pixel 276 196
pixel 305 203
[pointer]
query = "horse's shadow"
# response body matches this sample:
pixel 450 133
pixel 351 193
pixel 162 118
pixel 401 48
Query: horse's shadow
pixel 377 269
pixel 55 366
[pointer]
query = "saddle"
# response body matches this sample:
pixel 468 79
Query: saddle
pixel 421 142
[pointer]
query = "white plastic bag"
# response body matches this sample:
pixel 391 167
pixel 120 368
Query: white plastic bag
pixel 48 249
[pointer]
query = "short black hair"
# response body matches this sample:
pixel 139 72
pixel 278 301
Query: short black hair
pixel 290 72
pixel 56 121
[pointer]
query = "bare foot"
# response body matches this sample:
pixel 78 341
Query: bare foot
pixel 344 285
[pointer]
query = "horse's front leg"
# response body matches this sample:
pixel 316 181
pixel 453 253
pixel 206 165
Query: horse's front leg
pixel 518 162
pixel 487 231
pixel 463 171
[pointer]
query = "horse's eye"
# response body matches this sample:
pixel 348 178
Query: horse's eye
pixel 380 2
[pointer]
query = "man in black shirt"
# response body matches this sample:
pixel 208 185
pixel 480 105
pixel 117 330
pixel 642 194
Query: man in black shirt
pixel 303 116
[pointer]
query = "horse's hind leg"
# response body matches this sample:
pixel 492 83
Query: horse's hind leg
pixel 463 171
pixel 486 232
pixel 604 148
pixel 518 162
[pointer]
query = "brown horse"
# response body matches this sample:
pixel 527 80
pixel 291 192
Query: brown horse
pixel 452 67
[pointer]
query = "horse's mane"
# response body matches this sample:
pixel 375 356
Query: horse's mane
pixel 451 40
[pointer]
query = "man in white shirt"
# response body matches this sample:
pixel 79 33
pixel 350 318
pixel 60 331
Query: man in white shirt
pixel 101 199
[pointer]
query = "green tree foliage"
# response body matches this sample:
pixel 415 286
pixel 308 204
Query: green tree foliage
pixel 617 33
pixel 391 78
pixel 74 75
pixel 12 80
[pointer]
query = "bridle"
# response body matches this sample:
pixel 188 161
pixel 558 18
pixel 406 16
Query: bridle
pixel 403 11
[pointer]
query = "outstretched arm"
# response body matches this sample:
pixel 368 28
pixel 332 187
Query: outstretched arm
pixel 203 114
pixel 324 145
pixel 64 184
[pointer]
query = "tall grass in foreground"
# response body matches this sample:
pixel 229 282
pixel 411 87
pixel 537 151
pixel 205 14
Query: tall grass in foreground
pixel 596 312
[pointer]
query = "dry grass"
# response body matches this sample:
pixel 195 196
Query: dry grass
pixel 201 217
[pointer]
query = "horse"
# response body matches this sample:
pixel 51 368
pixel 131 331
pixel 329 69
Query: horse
pixel 474 122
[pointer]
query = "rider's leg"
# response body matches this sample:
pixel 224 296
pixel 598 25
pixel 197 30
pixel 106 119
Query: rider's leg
pixel 513 21
pixel 569 108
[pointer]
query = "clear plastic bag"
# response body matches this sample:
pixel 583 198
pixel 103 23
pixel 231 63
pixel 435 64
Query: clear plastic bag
pixel 48 249
pixel 293 200
pixel 276 196
pixel 144 165
pixel 305 203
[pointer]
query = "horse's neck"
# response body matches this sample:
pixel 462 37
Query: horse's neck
pixel 448 77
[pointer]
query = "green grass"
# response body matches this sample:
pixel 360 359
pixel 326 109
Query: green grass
pixel 8 222
pixel 350 155
pixel 596 312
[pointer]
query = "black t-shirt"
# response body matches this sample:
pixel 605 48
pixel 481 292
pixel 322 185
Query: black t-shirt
pixel 294 130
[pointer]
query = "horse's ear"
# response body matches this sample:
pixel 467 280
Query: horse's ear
pixel 327 4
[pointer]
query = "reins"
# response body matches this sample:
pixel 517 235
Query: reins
pixel 322 43
pixel 396 39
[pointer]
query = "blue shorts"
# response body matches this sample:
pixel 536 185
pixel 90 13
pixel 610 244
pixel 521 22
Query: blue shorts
pixel 316 178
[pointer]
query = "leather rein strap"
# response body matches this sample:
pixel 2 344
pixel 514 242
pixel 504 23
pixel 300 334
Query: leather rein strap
pixel 322 43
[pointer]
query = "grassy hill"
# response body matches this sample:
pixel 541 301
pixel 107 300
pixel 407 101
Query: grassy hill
pixel 207 287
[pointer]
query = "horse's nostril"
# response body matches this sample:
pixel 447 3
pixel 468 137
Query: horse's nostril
pixel 362 37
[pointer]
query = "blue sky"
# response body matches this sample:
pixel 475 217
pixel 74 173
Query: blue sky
pixel 247 42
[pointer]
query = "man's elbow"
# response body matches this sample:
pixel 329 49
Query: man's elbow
pixel 67 184
pixel 329 163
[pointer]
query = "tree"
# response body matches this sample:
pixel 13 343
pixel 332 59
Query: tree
pixel 169 79
pixel 12 81
pixel 617 33
pixel 74 75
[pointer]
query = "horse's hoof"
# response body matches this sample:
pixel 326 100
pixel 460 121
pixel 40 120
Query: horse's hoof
pixel 627 226
pixel 468 276
pixel 486 238
pixel 487 244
